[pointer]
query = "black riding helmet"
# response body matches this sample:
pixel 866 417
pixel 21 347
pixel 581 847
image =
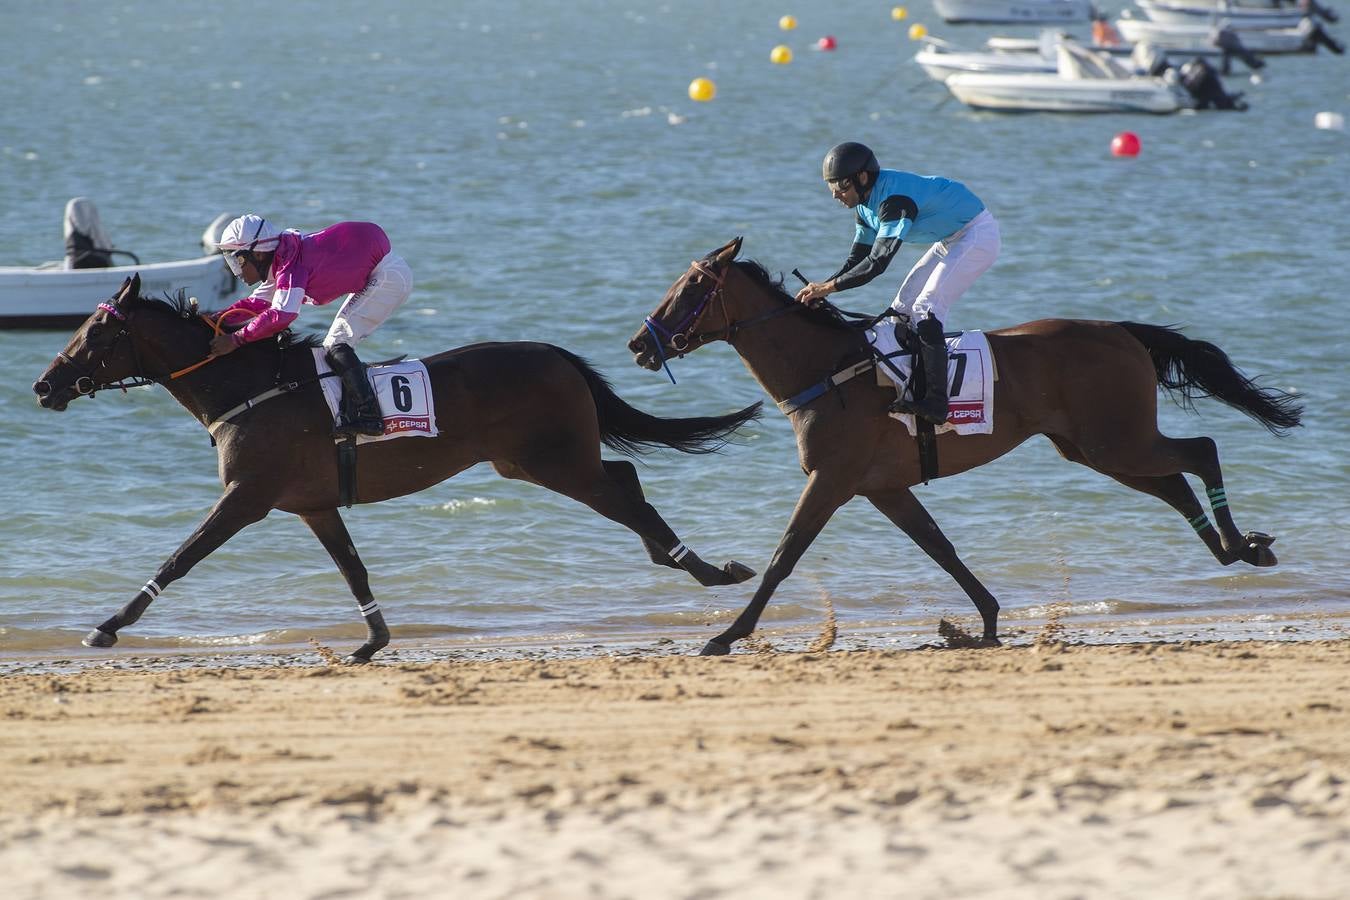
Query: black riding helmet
pixel 847 160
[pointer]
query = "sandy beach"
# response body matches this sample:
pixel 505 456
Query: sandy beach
pixel 1047 771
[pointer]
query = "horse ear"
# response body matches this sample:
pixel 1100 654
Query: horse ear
pixel 131 287
pixel 727 252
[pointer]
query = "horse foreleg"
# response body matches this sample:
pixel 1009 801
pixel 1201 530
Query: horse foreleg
pixel 818 502
pixel 910 516
pixel 236 509
pixel 328 527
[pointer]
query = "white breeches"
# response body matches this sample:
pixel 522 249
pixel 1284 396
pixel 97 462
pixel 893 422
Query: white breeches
pixel 390 284
pixel 950 266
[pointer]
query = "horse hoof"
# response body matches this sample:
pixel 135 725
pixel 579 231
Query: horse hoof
pixel 1261 556
pixel 990 640
pixel 1258 539
pixel 98 638
pixel 354 660
pixel 738 572
pixel 714 648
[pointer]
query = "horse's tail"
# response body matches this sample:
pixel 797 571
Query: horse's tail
pixel 632 431
pixel 1192 370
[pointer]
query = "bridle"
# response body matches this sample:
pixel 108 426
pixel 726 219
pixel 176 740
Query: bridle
pixel 85 385
pixel 684 339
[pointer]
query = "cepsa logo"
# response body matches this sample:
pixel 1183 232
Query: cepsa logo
pixel 963 415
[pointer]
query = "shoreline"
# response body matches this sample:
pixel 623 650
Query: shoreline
pixel 1073 628
pixel 1160 769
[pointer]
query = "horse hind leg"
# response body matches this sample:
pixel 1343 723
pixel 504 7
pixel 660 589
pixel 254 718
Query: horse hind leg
pixel 1200 457
pixel 625 473
pixel 329 528
pixel 617 495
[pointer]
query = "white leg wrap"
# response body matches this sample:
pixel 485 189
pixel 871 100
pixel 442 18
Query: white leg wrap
pixel 152 588
pixel 678 552
pixel 370 608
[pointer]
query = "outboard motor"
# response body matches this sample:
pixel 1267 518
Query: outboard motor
pixel 1318 35
pixel 1201 81
pixel 1228 41
pixel 1148 59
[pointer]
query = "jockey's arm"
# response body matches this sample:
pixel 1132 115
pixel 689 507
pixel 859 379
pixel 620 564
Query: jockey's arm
pixel 896 214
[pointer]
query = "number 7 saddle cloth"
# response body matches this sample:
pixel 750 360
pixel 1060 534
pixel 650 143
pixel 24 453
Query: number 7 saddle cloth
pixel 403 389
pixel 970 377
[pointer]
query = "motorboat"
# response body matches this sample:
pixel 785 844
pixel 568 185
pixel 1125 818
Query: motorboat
pixel 1193 12
pixel 63 293
pixel 1090 81
pixel 1024 12
pixel 1207 38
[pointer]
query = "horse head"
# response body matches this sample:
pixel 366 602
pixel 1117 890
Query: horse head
pixel 96 355
pixel 116 343
pixel 692 313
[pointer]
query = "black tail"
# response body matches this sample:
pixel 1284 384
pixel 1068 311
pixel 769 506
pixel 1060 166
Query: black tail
pixel 633 431
pixel 1192 370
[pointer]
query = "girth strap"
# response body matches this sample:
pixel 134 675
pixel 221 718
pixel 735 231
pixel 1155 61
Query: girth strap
pixel 818 390
pixel 266 395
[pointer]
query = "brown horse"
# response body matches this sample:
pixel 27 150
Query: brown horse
pixel 536 412
pixel 1090 387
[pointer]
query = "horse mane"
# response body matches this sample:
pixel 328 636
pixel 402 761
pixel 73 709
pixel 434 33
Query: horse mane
pixel 177 305
pixel 822 315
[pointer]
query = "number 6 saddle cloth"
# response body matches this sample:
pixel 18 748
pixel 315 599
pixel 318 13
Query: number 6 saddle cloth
pixel 403 389
pixel 970 377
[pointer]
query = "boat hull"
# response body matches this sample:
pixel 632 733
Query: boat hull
pixel 1236 16
pixel 1196 38
pixel 63 298
pixel 1008 12
pixel 1050 93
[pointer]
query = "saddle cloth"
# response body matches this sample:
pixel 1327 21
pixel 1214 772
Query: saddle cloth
pixel 404 392
pixel 970 378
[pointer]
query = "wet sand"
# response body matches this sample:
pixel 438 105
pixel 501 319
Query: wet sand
pixel 1131 770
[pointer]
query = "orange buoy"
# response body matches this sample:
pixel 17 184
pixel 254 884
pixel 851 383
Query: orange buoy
pixel 1125 144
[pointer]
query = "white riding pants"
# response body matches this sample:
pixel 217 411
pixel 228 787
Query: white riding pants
pixel 390 284
pixel 950 266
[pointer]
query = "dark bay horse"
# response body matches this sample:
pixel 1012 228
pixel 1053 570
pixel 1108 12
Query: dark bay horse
pixel 534 411
pixel 1090 387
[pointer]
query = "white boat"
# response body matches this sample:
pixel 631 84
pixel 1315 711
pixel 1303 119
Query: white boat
pixel 55 296
pixel 1190 12
pixel 1085 81
pixel 1014 11
pixel 1203 38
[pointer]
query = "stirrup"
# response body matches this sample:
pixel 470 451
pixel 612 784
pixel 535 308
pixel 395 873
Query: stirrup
pixel 367 427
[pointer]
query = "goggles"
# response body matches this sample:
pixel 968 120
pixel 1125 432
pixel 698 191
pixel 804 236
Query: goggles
pixel 234 258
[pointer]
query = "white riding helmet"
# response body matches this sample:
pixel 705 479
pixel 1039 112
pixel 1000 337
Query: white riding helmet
pixel 245 235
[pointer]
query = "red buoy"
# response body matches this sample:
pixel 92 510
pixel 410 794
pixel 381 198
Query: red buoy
pixel 827 43
pixel 1125 144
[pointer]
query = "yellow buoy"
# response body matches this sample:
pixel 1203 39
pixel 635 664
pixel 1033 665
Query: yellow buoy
pixel 899 12
pixel 782 54
pixel 702 90
pixel 917 32
pixel 787 23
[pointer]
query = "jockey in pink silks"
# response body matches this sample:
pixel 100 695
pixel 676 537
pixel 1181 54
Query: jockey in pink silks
pixel 290 269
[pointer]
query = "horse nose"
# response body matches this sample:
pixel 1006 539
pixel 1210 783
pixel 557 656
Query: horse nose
pixel 637 345
pixel 41 388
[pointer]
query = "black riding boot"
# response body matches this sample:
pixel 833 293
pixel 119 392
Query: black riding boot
pixel 360 409
pixel 933 353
